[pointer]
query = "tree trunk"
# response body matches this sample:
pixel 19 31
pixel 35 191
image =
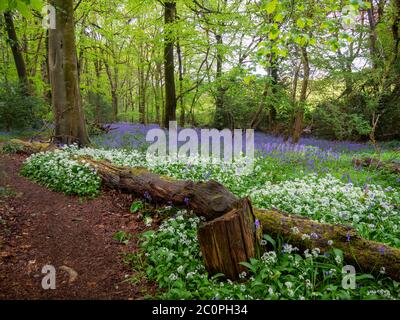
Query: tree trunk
pixel 181 97
pixel 170 93
pixel 275 78
pixel 16 51
pixel 155 84
pixel 257 116
pixel 142 96
pixel 229 240
pixel 298 124
pixel 219 100
pixel 97 68
pixel 372 35
pixel 70 124
pixel 114 87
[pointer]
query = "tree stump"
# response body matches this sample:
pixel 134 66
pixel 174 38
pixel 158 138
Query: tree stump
pixel 228 240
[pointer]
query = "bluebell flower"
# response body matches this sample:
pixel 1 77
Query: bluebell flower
pixel 257 224
pixel 186 201
pixel 314 235
pixel 147 196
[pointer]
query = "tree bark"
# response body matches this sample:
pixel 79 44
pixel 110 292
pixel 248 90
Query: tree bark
pixel 170 93
pixel 16 51
pixel 70 124
pixel 113 79
pixel 373 37
pixel 181 94
pixel 219 99
pixel 97 68
pixel 229 240
pixel 298 124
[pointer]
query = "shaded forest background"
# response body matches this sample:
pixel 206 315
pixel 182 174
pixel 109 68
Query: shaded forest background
pixel 330 68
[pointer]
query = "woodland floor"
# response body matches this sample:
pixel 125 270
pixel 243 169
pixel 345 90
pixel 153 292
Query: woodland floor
pixel 39 227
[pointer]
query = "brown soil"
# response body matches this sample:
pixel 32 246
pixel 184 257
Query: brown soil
pixel 40 227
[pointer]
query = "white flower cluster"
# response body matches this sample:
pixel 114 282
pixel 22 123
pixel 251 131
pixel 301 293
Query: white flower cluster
pixel 327 199
pixel 269 257
pixel 60 172
pixel 381 292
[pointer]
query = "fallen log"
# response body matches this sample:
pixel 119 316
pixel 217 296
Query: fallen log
pixel 391 166
pixel 207 199
pixel 366 255
pixel 32 147
pixel 212 200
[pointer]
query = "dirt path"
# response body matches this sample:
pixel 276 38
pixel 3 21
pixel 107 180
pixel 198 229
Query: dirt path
pixel 39 227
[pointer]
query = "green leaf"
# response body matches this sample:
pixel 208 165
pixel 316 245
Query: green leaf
pixel 37 4
pixel 247 80
pixel 271 6
pixel 3 5
pixel 279 17
pixel 136 206
pixel 246 264
pixel 301 23
pixel 365 276
pixel 274 34
pixel 23 9
pixel 269 239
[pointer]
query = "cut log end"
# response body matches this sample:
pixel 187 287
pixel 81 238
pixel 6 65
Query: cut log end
pixel 227 241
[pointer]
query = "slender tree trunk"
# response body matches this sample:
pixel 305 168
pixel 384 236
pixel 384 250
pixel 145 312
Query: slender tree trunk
pixel 272 109
pixel 181 97
pixel 97 66
pixel 373 37
pixel 155 83
pixel 257 116
pixel 298 124
pixel 70 123
pixel 170 93
pixel 142 96
pixel 16 51
pixel 219 101
pixel 114 87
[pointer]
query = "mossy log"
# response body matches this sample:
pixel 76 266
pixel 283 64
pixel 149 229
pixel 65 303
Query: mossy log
pixel 365 255
pixel 212 200
pixel 32 147
pixel 391 166
pixel 208 199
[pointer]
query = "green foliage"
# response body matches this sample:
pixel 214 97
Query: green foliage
pixel 174 261
pixel 136 206
pixel 10 147
pixel 333 120
pixel 17 110
pixel 23 6
pixel 122 237
pixel 59 173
